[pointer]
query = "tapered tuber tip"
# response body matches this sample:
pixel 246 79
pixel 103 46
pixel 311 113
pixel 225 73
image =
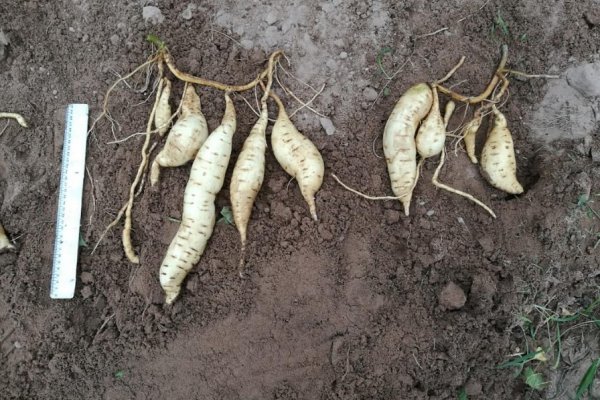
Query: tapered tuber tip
pixel 154 173
pixel 309 197
pixel 313 209
pixel 242 263
pixel 21 121
pixel 5 245
pixel 406 204
pixel 171 296
pixel 517 188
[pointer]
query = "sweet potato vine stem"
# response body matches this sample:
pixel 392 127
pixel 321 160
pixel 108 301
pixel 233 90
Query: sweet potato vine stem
pixel 184 76
pixel 488 90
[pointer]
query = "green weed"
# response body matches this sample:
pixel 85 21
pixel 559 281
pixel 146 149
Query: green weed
pixel 588 380
pixel 226 216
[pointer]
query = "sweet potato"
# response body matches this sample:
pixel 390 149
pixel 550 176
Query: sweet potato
pixel 498 162
pixel 399 140
pixel 162 116
pixel 198 217
pixel 431 135
pixel 185 138
pixel 298 156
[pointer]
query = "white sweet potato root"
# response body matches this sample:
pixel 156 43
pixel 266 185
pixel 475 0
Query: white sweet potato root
pixel 399 145
pixel 185 138
pixel 431 135
pixel 198 218
pixel 249 171
pixel 162 116
pixel 470 135
pixel 298 156
pixel 498 161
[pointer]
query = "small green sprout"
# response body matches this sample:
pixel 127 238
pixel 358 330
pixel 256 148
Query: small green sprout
pixel 155 40
pixel 501 23
pixel 226 216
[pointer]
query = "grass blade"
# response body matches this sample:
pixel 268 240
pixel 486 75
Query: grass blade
pixel 587 380
pixel 519 361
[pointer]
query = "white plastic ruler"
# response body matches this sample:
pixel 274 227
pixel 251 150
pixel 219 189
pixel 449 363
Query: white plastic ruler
pixel 68 216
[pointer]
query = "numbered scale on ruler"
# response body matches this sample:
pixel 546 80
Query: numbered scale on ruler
pixel 68 216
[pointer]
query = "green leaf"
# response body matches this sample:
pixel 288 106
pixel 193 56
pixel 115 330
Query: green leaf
pixel 386 91
pixel 226 216
pixel 119 374
pixel 533 379
pixel 501 23
pixel 587 380
pixel 519 361
pixel 82 242
pixel 155 40
pixel 582 200
pixel 462 394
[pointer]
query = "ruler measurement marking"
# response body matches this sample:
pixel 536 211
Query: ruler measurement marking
pixel 68 216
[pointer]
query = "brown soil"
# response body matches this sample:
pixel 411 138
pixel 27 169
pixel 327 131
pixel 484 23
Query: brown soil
pixel 364 304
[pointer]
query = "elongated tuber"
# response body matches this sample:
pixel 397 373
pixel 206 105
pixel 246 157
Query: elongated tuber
pixel 198 218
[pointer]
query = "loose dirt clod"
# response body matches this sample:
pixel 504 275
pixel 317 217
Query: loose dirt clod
pixel 452 297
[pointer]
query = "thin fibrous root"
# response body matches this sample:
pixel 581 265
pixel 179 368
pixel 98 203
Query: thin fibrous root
pixel 451 72
pixel 307 104
pixel 183 76
pixel 110 226
pixel 533 76
pixel 488 90
pixel 17 117
pixel 440 185
pixel 141 187
pixel 303 104
pixel 127 245
pixel 366 196
pixel 153 131
pixel 105 112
